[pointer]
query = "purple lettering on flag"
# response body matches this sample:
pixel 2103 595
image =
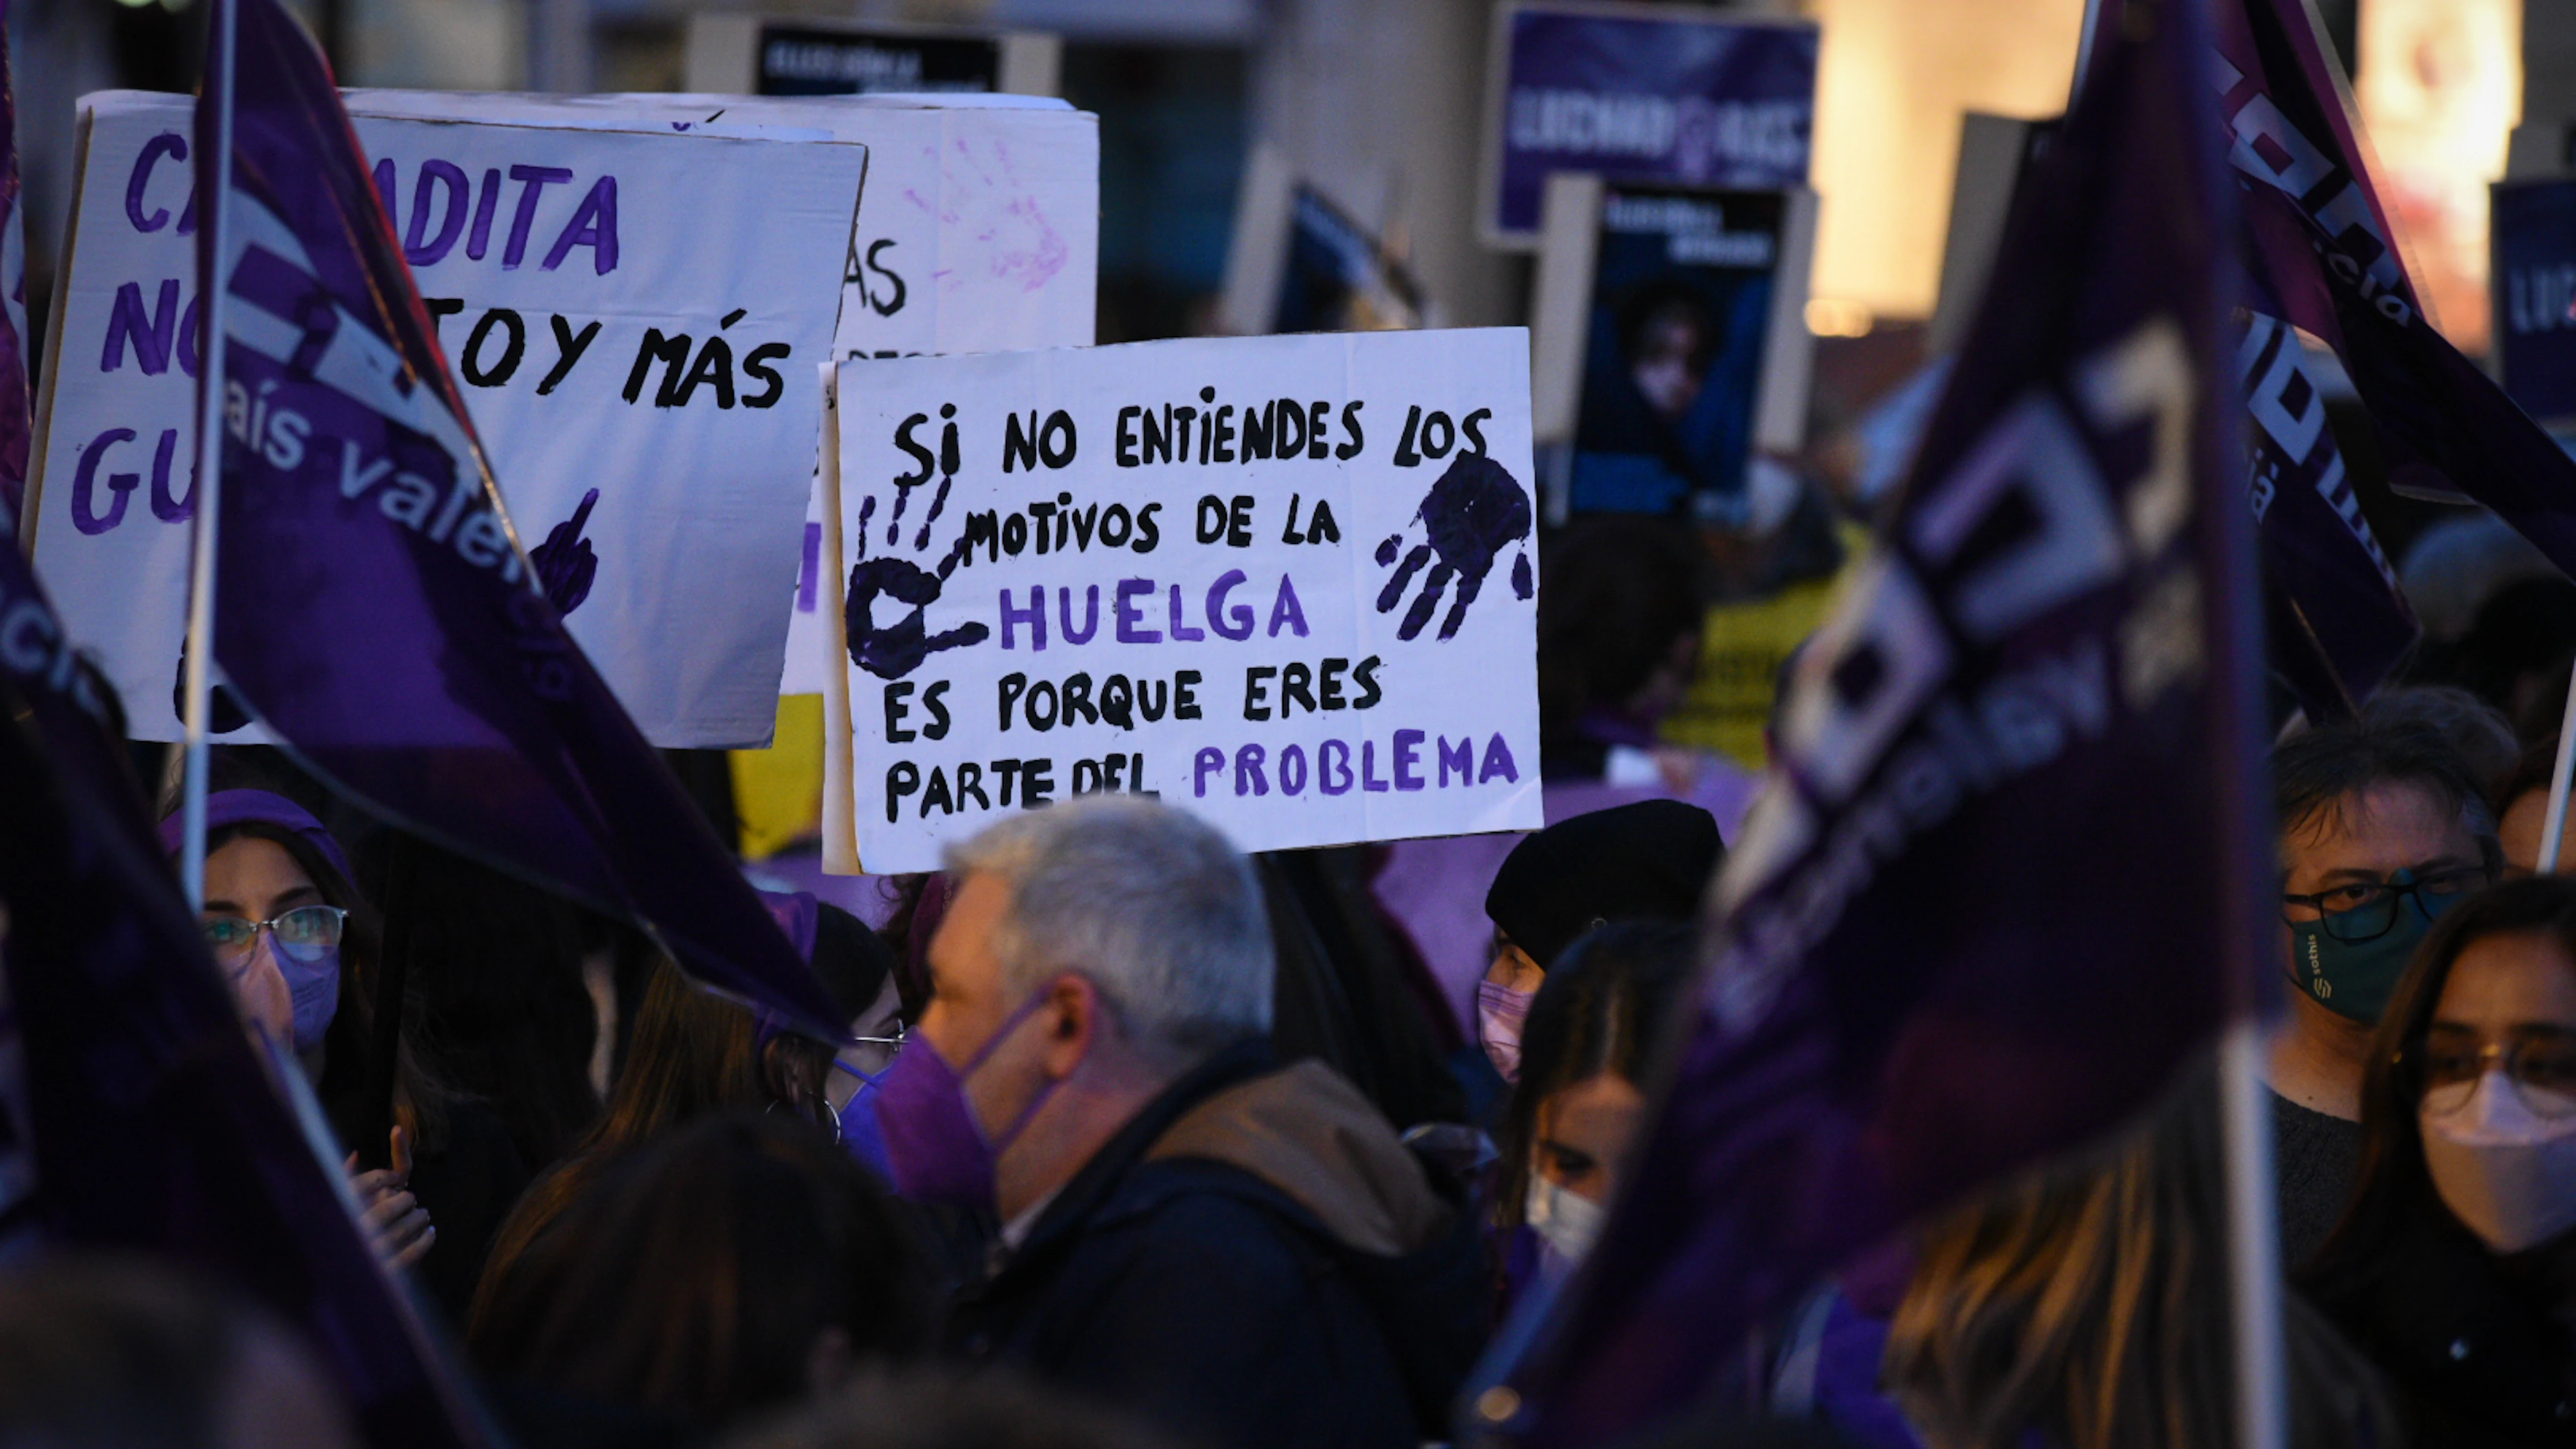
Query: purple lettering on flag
pixel 2323 244
pixel 1933 965
pixel 374 607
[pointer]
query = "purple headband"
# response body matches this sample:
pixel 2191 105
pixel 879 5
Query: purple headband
pixel 237 807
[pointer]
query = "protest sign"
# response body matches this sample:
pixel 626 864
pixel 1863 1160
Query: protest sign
pixel 803 55
pixel 1287 583
pixel 1642 93
pixel 630 361
pixel 979 231
pixel 490 732
pixel 1672 349
pixel 2535 296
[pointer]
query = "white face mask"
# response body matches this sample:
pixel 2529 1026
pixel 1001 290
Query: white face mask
pixel 2506 1172
pixel 1565 1222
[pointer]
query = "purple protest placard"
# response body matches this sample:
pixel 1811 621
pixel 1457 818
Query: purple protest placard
pixel 1644 94
pixel 1973 920
pixel 374 607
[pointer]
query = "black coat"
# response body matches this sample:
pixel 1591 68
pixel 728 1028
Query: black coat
pixel 2466 1343
pixel 1203 1298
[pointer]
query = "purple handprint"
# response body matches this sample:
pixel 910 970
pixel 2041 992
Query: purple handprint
pixel 1467 518
pixel 564 563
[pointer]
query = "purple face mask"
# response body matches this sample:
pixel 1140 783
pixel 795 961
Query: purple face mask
pixel 937 1151
pixel 314 987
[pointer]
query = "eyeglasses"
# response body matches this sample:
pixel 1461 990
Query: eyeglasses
pixel 303 933
pixel 2367 910
pixel 2442 1071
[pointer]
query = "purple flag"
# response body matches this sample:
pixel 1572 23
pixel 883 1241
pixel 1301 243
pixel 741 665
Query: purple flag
pixel 2324 246
pixel 2339 624
pixel 373 606
pixel 15 417
pixel 2002 881
pixel 156 1128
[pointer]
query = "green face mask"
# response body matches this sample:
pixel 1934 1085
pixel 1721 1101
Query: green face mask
pixel 2355 978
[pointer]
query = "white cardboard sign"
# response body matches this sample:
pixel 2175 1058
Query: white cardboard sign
pixel 614 326
pixel 979 232
pixel 1285 582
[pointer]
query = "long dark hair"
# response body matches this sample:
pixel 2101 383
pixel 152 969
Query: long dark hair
pixel 694 1273
pixel 694 1054
pixel 497 967
pixel 1603 1005
pixel 2393 1193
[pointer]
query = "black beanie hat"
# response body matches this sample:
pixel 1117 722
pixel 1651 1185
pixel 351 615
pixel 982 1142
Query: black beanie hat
pixel 1644 862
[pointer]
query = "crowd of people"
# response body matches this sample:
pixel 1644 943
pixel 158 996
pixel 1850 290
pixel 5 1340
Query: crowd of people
pixel 1137 1140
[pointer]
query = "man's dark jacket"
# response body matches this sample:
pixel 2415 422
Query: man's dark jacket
pixel 1254 1260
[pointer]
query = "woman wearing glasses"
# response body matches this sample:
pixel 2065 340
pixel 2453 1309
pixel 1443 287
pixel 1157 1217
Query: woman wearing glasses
pixel 2455 1266
pixel 297 944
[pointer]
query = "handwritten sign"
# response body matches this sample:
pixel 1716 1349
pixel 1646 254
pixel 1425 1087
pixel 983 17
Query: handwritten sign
pixel 979 231
pixel 635 362
pixel 1286 582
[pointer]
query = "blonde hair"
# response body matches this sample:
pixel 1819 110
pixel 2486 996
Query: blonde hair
pixel 2091 1301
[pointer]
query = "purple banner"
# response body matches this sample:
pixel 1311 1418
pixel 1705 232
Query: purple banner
pixel 2323 245
pixel 156 1126
pixel 1644 98
pixel 1935 966
pixel 2338 622
pixel 374 607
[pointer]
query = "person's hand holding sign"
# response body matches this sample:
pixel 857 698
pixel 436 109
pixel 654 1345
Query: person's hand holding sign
pixel 891 651
pixel 1468 517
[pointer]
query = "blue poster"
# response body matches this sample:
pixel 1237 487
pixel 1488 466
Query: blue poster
pixel 1689 98
pixel 2535 295
pixel 1682 294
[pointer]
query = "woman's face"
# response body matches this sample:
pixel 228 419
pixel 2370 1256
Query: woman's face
pixel 1513 969
pixel 2510 991
pixel 1584 1131
pixel 256 880
pixel 1665 366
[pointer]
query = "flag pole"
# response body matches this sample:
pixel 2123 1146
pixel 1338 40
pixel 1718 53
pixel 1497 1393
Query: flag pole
pixel 2554 824
pixel 2254 1238
pixel 208 491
